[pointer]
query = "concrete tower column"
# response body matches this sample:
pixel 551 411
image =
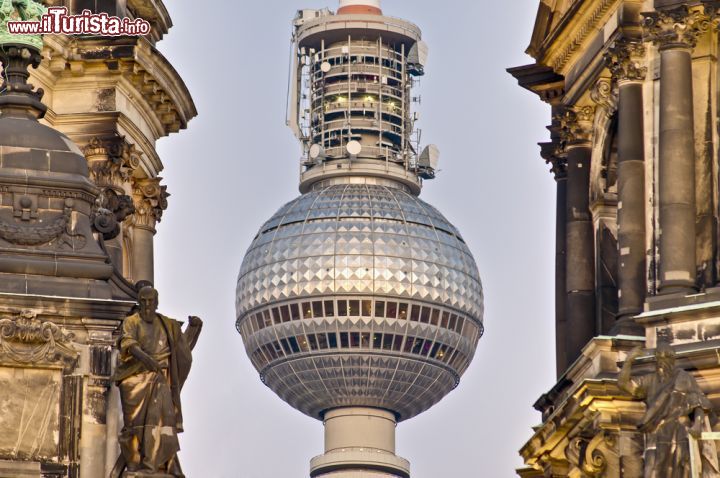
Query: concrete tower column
pixel 677 149
pixel 359 443
pixel 625 58
pixel 580 243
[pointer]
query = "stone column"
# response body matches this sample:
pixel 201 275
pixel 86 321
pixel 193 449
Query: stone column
pixel 580 265
pixel 150 200
pixel 676 31
pixel 552 153
pixel 624 62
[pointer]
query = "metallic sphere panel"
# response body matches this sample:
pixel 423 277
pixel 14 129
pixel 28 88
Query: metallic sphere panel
pixel 349 277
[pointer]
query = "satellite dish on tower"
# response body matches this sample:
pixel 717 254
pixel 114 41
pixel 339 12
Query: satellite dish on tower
pixel 417 58
pixel 325 67
pixel 428 162
pixel 317 153
pixel 353 148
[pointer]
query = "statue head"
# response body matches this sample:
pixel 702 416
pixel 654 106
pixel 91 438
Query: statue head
pixel 664 358
pixel 148 300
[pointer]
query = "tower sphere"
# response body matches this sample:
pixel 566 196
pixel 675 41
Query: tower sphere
pixel 359 295
pixel 359 304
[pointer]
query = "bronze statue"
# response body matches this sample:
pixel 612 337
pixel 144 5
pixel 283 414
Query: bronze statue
pixel 155 358
pixel 676 410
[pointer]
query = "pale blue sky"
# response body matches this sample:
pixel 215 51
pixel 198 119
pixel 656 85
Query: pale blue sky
pixel 238 163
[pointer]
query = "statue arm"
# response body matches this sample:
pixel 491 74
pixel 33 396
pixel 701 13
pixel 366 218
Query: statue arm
pixel 192 332
pixel 150 363
pixel 129 344
pixel 625 381
pixel 698 423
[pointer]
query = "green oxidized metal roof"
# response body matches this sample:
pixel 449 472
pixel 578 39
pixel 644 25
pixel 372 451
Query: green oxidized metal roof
pixel 16 10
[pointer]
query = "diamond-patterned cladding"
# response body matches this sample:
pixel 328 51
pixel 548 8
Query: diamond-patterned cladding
pixel 364 240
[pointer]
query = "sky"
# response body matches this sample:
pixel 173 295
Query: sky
pixel 237 163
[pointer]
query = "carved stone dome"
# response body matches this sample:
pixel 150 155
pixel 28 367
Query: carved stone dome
pixel 46 197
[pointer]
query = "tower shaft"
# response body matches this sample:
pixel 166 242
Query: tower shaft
pixel 359 442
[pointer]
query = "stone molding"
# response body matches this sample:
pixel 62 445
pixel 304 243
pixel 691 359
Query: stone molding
pixel 675 28
pixel 625 59
pixel 26 340
pixel 127 61
pixel 576 37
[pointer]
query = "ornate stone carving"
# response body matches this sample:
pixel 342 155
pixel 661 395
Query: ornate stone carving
pixel 110 210
pixel 588 454
pixel 605 95
pixel 57 228
pixel 552 153
pixel 112 162
pixel 150 200
pixel 25 339
pixel 624 60
pixel 576 124
pixel 675 28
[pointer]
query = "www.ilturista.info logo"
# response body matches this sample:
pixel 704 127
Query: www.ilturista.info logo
pixel 57 21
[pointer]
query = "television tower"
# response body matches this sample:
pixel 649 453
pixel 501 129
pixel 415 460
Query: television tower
pixel 359 304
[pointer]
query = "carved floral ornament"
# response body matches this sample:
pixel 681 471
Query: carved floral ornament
pixel 625 60
pixel 576 124
pixel 112 161
pixel 27 340
pixel 150 201
pixel 678 27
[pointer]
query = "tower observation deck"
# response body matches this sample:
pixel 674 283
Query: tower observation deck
pixel 359 304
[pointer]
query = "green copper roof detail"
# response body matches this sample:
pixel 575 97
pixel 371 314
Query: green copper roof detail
pixel 20 10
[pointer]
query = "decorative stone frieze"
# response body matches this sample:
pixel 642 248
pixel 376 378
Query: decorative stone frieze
pixel 625 61
pixel 675 28
pixel 24 339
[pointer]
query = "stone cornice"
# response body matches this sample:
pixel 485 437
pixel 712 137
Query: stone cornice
pixel 135 59
pixel 572 34
pixel 153 11
pixel 598 400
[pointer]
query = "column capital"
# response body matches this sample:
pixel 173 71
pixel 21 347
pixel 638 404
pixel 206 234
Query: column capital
pixel 553 155
pixel 625 60
pixel 677 27
pixel 111 162
pixel 576 125
pixel 150 199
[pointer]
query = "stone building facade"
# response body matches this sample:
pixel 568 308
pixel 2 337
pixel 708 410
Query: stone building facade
pixel 633 148
pixel 80 200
